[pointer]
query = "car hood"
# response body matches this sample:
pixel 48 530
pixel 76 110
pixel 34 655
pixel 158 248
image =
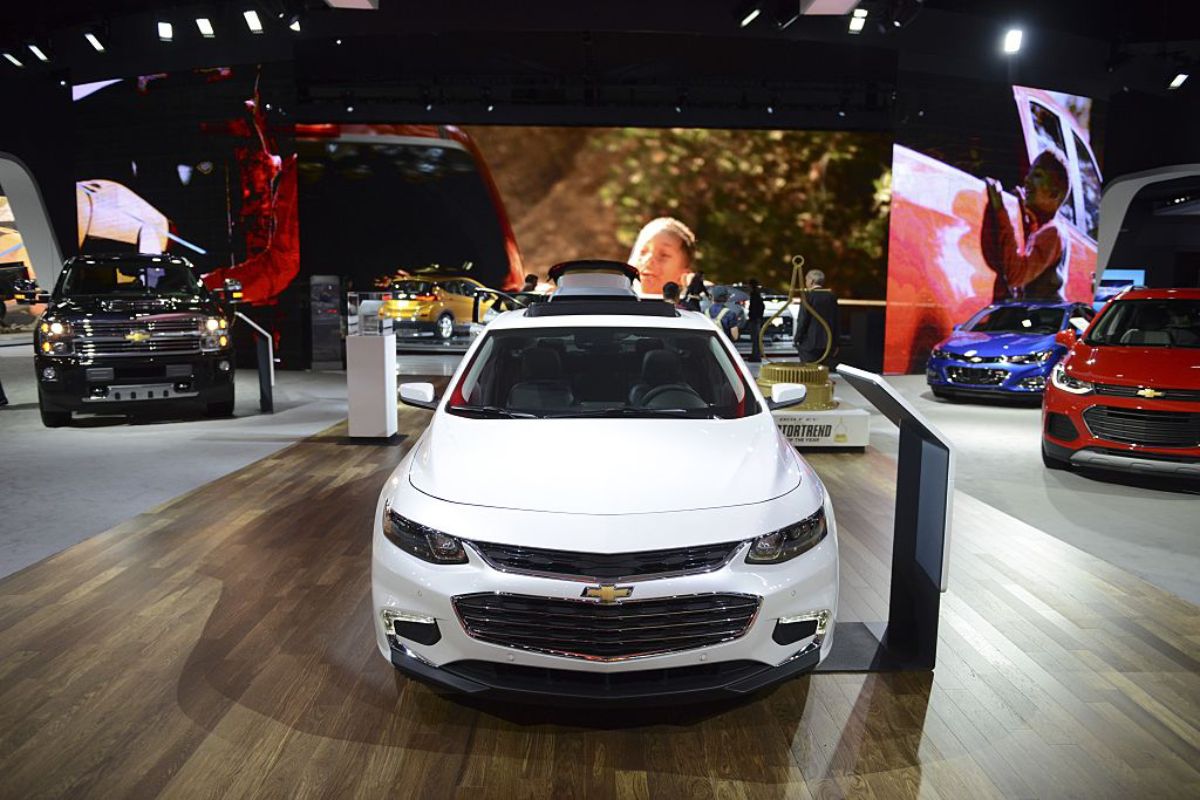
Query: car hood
pixel 604 466
pixel 991 345
pixel 1166 367
pixel 105 306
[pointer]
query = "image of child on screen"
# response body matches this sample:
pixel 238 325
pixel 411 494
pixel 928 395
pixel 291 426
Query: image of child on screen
pixel 663 253
pixel 1037 270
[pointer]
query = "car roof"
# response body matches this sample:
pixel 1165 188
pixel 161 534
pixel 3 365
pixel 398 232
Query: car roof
pixel 1159 294
pixel 127 258
pixel 687 320
pixel 434 278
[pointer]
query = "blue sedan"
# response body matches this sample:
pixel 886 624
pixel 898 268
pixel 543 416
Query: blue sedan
pixel 1005 350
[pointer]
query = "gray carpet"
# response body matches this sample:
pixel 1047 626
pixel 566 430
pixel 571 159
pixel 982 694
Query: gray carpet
pixel 61 486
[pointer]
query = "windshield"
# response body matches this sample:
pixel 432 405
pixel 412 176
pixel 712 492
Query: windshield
pixel 601 372
pixel 1149 323
pixel 408 289
pixel 138 278
pixel 1019 319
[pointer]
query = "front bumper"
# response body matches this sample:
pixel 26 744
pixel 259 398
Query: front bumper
pixel 94 385
pixel 988 379
pixel 1086 449
pixel 455 660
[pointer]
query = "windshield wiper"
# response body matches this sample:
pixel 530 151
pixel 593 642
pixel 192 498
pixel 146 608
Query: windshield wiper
pixel 493 411
pixel 626 411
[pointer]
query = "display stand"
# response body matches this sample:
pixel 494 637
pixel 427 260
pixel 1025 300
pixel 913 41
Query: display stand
pixel 920 548
pixel 844 426
pixel 371 385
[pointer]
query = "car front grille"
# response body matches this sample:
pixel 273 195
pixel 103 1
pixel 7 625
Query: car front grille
pixel 167 335
pixel 1115 390
pixel 974 359
pixel 607 566
pixel 1150 428
pixel 606 632
pixel 973 376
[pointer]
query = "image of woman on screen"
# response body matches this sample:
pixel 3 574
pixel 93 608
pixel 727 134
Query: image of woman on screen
pixel 663 253
pixel 1037 270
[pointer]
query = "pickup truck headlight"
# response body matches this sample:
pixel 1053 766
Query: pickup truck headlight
pixel 1032 358
pixel 785 544
pixel 214 335
pixel 423 542
pixel 1062 380
pixel 54 338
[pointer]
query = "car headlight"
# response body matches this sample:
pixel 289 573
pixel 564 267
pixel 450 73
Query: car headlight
pixel 1032 358
pixel 787 543
pixel 54 338
pixel 1062 380
pixel 214 324
pixel 423 542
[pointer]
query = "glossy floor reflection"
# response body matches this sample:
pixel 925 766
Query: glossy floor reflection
pixel 220 645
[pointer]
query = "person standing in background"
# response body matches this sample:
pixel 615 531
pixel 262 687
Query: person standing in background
pixel 531 282
pixel 671 294
pixel 754 316
pixel 810 334
pixel 723 314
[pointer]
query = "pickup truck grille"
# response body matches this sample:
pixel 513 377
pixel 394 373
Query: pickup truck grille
pixel 164 335
pixel 607 566
pixel 606 632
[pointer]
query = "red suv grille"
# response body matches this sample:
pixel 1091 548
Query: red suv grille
pixel 1150 428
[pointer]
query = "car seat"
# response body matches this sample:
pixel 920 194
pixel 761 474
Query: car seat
pixel 662 384
pixel 542 387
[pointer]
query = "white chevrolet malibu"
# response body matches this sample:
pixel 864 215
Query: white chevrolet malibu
pixel 603 508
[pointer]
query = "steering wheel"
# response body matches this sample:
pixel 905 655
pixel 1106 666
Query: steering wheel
pixel 681 396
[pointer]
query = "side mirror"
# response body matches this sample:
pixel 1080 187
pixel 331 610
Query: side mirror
pixel 1065 337
pixel 420 395
pixel 957 327
pixel 787 394
pixel 232 291
pixel 1080 324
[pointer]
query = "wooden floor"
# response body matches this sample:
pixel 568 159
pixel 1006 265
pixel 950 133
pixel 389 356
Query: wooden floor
pixel 221 646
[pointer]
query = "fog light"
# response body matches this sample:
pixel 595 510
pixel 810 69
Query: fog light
pixel 224 365
pixel 224 340
pixel 49 373
pixel 789 630
pixel 419 628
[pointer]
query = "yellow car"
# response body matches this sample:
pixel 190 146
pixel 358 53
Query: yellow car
pixel 437 304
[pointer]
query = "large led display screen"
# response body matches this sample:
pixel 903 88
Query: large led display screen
pixel 195 163
pixel 495 203
pixel 1006 209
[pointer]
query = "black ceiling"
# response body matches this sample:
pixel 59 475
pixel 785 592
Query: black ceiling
pixel 1093 47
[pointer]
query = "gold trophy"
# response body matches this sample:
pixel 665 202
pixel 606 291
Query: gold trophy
pixel 814 375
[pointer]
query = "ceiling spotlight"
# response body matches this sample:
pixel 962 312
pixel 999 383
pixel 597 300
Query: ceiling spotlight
pixel 294 25
pixel 62 83
pixel 338 42
pixel 349 109
pixel 252 21
pixel 37 51
pixel 1012 40
pixel 750 16
pixel 16 62
pixel 166 31
pixel 1176 82
pixel 94 41
pixel 770 109
pixel 205 27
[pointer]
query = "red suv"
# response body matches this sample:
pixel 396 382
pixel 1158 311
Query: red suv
pixel 1127 394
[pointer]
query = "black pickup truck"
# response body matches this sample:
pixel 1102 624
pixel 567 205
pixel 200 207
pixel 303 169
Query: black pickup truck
pixel 129 332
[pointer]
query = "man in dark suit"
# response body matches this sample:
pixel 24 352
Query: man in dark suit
pixel 810 334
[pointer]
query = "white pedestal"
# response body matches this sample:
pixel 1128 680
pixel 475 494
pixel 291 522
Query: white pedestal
pixel 844 426
pixel 371 385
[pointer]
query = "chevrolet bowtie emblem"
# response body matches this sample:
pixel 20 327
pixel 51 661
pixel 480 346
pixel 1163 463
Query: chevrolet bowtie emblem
pixel 1147 392
pixel 137 336
pixel 607 593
